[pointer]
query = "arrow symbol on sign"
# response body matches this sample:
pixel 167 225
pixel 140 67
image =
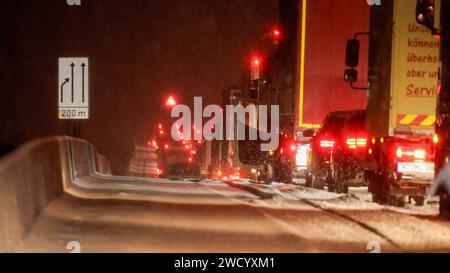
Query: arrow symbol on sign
pixel 72 66
pixel 62 89
pixel 83 65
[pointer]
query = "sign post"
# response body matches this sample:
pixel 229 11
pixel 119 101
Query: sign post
pixel 73 92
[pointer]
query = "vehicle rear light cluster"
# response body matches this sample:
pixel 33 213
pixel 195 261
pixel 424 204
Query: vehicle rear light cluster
pixel 327 143
pixel 235 176
pixel 435 138
pixel 416 154
pixel 354 143
pixel 153 143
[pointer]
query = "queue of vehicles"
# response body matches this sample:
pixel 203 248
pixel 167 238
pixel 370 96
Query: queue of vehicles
pixel 380 135
pixel 390 146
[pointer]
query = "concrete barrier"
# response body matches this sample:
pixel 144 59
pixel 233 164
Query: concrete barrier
pixel 44 169
pixel 31 176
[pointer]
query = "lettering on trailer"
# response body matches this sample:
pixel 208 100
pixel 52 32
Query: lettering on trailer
pixel 73 88
pixel 373 2
pixel 73 2
pixel 415 66
pixel 417 120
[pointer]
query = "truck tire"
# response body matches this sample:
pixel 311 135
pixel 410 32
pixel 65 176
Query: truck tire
pixel 444 205
pixel 331 188
pixel 396 201
pixel 337 182
pixel 342 188
pixel 379 198
pixel 318 184
pixel 289 178
pixel 419 201
pixel 283 174
pixel 308 181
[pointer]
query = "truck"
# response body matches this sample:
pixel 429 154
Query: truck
pixel 402 90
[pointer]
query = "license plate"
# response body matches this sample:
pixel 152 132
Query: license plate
pixel 415 167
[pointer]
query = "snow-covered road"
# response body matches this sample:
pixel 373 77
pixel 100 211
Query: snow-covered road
pixel 238 217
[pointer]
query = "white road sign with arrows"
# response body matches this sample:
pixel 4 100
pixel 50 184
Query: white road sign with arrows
pixel 73 88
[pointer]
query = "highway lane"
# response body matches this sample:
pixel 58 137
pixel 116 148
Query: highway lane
pixel 288 219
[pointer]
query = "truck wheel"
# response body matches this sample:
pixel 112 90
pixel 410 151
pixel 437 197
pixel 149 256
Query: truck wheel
pixel 379 198
pixel 375 198
pixel 318 184
pixel 289 178
pixel 308 181
pixel 284 174
pixel 444 205
pixel 396 201
pixel 338 181
pixel 419 201
pixel 331 188
pixel 342 188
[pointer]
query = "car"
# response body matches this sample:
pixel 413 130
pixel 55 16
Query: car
pixel 338 151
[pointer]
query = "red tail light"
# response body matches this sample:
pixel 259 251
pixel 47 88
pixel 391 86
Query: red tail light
pixel 418 154
pixel 153 144
pixel 354 143
pixel 327 143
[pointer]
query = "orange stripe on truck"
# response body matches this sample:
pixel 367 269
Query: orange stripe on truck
pixel 416 120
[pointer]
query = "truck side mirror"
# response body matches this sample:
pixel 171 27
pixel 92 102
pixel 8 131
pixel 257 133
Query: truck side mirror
pixel 351 75
pixel 352 53
pixel 425 14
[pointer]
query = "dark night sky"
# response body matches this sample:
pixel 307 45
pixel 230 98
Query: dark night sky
pixel 138 51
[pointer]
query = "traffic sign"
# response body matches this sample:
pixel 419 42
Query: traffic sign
pixel 73 88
